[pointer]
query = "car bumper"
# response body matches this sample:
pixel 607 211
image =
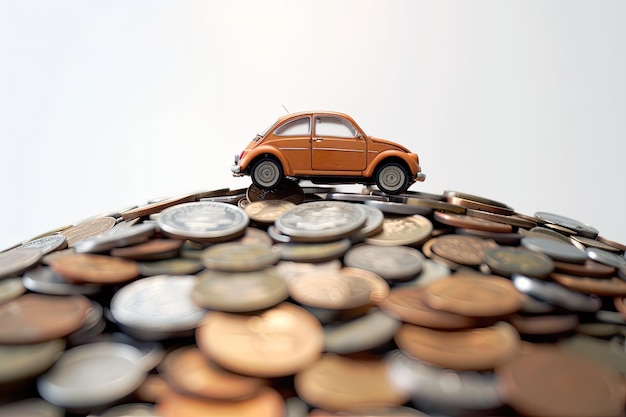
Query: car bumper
pixel 236 170
pixel 421 177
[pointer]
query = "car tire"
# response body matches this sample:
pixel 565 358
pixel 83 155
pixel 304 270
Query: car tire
pixel 392 178
pixel 266 173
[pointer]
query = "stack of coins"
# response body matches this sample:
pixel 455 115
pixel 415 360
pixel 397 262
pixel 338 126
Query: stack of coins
pixel 306 301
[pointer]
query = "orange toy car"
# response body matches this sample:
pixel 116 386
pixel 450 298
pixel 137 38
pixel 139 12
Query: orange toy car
pixel 326 147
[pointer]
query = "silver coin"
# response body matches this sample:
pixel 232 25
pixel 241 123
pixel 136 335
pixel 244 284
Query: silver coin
pixel 18 260
pixel 128 410
pixel 554 249
pixel 152 353
pixel 361 334
pixel 47 244
pixel 394 263
pixel 399 208
pixel 18 362
pixel 44 280
pixel 431 271
pixel 94 325
pixel 580 228
pixel 203 220
pixel 320 221
pixel 131 235
pixel 237 257
pixel 354 197
pixel 93 375
pixel 239 292
pixel 373 223
pixel 606 258
pixel 556 294
pixel 31 407
pixel 444 390
pixel 314 252
pixel 161 304
pixel 177 266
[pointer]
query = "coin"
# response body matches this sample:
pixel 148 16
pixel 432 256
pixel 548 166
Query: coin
pixel 47 244
pixel 93 375
pixel 16 261
pixel 509 261
pixel 314 252
pixel 31 407
pixel 267 211
pixel 606 258
pixel 160 303
pixel 189 372
pixel 463 250
pixel 373 223
pixel 399 208
pixel 87 229
pixel 569 223
pixel 96 269
pixel 512 239
pixel 511 220
pixel 358 335
pixel 469 222
pixel 267 402
pixel 394 263
pixel 337 383
pixel 588 269
pixel 239 291
pixel 331 290
pixel 379 289
pixel 550 382
pixel 472 349
pixel 611 287
pixel 44 280
pixel 402 230
pixel 545 325
pixel 556 294
pixel 430 203
pixel 474 295
pixel 277 342
pixel 556 250
pixel 131 235
pixel 35 318
pixel 21 361
pixel 204 221
pixel 152 250
pixel 156 207
pixel 408 303
pixel 287 190
pixel 10 289
pixel 321 221
pixel 177 266
pixel 239 258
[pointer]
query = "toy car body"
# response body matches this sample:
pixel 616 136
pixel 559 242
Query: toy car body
pixel 326 147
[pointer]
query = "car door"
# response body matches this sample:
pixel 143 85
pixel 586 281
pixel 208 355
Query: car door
pixel 293 139
pixel 336 147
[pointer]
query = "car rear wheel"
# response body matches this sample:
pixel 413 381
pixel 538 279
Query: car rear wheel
pixel 392 178
pixel 266 173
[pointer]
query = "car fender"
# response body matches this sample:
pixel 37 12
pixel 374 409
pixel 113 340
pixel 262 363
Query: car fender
pixel 410 159
pixel 253 154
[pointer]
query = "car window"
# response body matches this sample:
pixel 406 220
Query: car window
pixel 334 126
pixel 298 127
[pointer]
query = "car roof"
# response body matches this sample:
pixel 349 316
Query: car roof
pixel 311 112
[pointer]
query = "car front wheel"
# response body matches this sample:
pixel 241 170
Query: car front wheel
pixel 392 178
pixel 266 173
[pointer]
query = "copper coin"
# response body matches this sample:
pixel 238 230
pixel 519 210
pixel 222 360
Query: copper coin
pixel 464 350
pixel 156 207
pixel 402 230
pixel 34 318
pixel 474 295
pixel 337 383
pixel 472 197
pixel 512 239
pixel 267 211
pixel 611 287
pixel 331 290
pixel 620 247
pixel 267 402
pixel 277 342
pixel 499 218
pixel 97 269
pixel 379 289
pixel 508 261
pixel 464 250
pixel 428 252
pixel 620 304
pixel 176 266
pixel 285 190
pixel 189 372
pixel 430 203
pixel 18 260
pixel 152 250
pixel 595 243
pixel 551 382
pixel 88 229
pixel 483 206
pixel 469 222
pixel 544 324
pixel 588 269
pixel 408 303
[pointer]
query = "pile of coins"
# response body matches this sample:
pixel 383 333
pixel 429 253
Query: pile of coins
pixel 306 301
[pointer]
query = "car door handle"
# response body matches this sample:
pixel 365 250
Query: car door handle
pixel 318 139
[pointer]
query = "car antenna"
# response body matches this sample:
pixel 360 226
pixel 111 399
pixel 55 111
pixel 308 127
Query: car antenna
pixel 285 108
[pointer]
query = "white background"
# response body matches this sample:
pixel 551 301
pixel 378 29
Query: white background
pixel 107 104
